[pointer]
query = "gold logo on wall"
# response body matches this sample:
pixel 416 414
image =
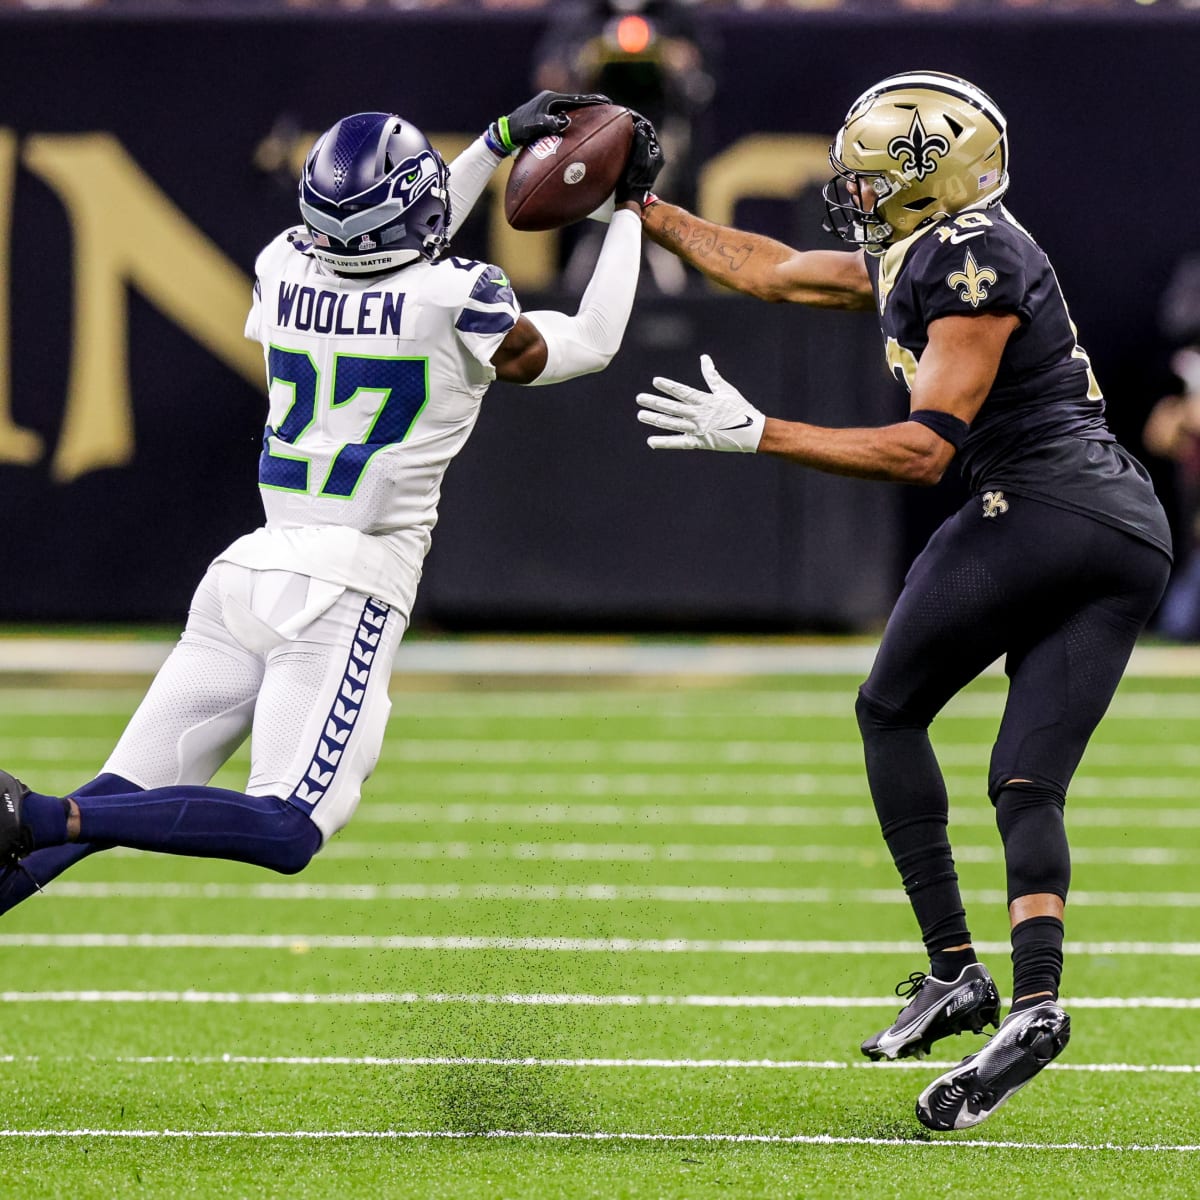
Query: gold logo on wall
pixel 127 233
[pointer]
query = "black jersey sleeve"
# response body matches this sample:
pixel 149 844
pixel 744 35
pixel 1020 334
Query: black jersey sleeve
pixel 972 269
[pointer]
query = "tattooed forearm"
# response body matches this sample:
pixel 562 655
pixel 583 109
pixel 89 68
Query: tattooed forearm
pixel 761 266
pixel 699 241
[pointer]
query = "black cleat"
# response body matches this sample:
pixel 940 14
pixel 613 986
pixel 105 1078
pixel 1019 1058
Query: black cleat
pixel 1026 1042
pixel 14 838
pixel 935 1010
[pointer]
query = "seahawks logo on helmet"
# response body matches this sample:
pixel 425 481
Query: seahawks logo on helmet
pixel 374 180
pixel 915 151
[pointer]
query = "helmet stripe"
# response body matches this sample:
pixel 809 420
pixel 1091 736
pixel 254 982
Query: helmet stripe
pixel 935 81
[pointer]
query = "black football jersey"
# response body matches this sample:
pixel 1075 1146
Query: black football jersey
pixel 1041 431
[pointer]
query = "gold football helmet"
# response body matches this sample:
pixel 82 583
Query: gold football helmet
pixel 927 144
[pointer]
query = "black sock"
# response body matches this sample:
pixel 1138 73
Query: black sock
pixel 947 965
pixel 1037 959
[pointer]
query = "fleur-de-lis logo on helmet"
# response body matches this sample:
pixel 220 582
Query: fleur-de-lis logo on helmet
pixel 915 150
pixel 973 279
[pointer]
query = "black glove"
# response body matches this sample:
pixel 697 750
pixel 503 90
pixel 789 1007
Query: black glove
pixel 536 118
pixel 645 161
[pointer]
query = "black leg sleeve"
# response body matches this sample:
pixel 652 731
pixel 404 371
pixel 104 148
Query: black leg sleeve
pixel 1036 855
pixel 910 800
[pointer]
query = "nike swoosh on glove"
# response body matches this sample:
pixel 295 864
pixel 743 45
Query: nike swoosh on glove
pixel 719 419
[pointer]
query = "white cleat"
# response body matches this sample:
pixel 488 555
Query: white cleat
pixel 1025 1043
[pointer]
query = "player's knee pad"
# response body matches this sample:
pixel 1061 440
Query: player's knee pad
pixel 299 839
pixel 1037 858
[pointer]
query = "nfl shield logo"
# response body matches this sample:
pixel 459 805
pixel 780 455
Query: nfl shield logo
pixel 546 146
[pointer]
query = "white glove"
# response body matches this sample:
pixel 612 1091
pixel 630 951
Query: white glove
pixel 721 420
pixel 1186 364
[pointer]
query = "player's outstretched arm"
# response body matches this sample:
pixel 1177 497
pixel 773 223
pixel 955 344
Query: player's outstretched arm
pixel 549 347
pixel 471 170
pixel 521 357
pixel 760 266
pixel 953 379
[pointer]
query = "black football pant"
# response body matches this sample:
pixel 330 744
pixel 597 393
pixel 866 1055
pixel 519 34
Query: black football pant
pixel 1063 597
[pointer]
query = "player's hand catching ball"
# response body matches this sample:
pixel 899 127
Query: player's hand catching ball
pixel 645 161
pixel 537 118
pixel 722 419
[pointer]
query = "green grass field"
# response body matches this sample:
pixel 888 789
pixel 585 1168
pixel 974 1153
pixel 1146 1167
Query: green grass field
pixel 593 938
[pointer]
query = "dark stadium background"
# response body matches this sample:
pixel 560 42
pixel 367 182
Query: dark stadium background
pixel 557 516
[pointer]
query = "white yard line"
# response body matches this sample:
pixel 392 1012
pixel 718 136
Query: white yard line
pixel 717 708
pixel 300 943
pixel 650 1064
pixel 666 1064
pixel 578 813
pixel 523 810
pixel 820 1139
pixel 599 893
pixel 480 656
pixel 81 656
pixel 482 750
pixel 497 751
pixel 647 784
pixel 550 656
pixel 68 701
pixel 55 749
pixel 739 703
pixel 641 852
pixel 540 1000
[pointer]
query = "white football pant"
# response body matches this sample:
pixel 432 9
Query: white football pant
pixel 299 664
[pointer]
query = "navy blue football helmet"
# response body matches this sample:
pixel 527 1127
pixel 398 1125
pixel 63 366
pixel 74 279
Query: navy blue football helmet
pixel 374 195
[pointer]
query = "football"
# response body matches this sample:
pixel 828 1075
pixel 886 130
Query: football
pixel 561 178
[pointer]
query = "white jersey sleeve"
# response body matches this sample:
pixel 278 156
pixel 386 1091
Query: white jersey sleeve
pixel 374 386
pixel 470 173
pixel 254 317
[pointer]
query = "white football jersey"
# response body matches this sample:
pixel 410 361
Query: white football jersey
pixel 375 385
